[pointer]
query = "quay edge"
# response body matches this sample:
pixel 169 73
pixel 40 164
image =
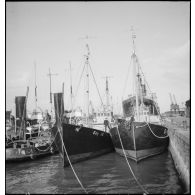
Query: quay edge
pixel 179 147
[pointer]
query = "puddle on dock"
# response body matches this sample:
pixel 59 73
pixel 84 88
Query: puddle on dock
pixel 105 174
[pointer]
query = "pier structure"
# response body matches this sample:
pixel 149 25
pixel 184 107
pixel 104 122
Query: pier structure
pixel 179 147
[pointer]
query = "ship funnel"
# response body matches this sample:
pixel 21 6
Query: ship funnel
pixel 59 107
pixel 20 107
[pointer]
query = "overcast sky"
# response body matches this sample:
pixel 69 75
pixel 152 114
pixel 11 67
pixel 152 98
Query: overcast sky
pixel 50 35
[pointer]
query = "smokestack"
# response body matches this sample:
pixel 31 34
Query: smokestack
pixel 20 107
pixel 59 107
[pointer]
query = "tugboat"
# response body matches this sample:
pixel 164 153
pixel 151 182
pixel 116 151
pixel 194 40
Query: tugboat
pixel 79 142
pixel 140 133
pixel 25 148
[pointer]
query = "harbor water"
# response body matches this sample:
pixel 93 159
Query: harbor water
pixel 105 174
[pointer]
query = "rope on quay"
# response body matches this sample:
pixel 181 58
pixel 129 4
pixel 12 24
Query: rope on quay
pixel 139 184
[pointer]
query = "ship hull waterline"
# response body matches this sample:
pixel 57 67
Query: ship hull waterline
pixel 81 143
pixel 140 140
pixel 24 154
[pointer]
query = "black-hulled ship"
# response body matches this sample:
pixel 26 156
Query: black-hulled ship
pixel 140 133
pixel 83 141
pixel 80 142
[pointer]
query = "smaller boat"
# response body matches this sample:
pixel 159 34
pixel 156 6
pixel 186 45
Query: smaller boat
pixel 26 146
pixel 30 148
pixel 21 150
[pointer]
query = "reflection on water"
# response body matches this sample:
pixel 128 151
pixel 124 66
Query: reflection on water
pixel 105 174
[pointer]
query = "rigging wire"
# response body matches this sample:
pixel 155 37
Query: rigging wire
pixel 96 85
pixel 78 86
pixel 126 78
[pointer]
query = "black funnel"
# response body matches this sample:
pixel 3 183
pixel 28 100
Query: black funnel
pixel 59 107
pixel 8 115
pixel 20 107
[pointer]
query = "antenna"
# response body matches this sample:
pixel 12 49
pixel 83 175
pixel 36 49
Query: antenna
pixel 50 75
pixel 86 38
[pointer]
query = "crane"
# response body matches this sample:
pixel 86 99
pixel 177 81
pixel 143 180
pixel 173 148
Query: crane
pixel 176 105
pixel 172 104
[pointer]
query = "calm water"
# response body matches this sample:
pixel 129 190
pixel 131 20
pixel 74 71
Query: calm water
pixel 106 174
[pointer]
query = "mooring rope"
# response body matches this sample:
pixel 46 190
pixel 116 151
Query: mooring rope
pixel 96 85
pixel 60 128
pixel 155 134
pixel 139 184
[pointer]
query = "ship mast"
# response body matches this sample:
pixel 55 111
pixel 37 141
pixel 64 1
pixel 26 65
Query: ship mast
pixel 71 94
pixel 107 92
pixel 88 69
pixel 136 75
pixel 87 81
